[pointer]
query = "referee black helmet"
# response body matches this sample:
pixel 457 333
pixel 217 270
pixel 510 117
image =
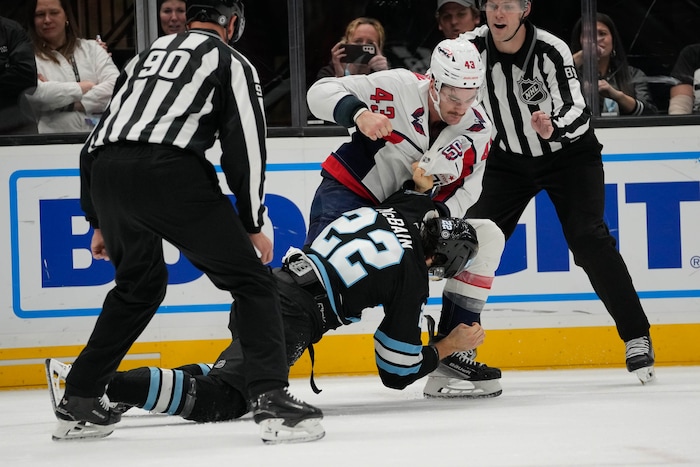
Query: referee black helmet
pixel 219 12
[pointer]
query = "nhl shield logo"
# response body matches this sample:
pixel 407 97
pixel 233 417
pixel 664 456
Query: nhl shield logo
pixel 532 91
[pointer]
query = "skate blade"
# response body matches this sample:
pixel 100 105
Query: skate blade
pixel 273 431
pixel 72 430
pixel 55 375
pixel 458 388
pixel 646 375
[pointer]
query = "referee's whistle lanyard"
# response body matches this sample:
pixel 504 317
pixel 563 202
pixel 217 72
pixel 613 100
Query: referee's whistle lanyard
pixel 522 20
pixel 494 53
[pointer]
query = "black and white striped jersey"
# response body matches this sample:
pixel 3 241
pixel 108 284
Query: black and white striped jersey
pixel 541 76
pixel 184 91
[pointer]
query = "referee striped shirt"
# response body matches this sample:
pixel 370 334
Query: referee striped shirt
pixel 540 76
pixel 184 91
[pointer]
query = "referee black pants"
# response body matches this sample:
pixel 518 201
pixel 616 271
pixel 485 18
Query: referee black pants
pixel 574 180
pixel 143 194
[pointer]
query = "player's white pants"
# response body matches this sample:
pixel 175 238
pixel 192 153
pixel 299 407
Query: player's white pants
pixel 470 288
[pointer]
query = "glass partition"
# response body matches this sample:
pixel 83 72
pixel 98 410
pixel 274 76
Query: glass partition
pixel 289 41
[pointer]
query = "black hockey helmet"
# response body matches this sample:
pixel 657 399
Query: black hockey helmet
pixel 452 243
pixel 219 12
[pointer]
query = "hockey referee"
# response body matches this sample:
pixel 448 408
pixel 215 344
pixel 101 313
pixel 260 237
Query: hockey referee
pixel 544 141
pixel 144 178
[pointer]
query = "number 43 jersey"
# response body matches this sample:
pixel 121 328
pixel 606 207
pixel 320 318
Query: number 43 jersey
pixel 376 169
pixel 373 256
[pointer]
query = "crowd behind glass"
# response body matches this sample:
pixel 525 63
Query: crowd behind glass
pixel 651 38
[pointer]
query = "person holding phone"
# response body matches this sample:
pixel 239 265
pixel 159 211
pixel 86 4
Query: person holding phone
pixel 359 51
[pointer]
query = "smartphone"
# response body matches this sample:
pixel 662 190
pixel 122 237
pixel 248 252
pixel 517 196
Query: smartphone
pixel 358 53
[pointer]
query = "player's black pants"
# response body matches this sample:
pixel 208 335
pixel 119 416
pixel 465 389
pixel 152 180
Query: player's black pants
pixel 573 179
pixel 146 193
pixel 219 394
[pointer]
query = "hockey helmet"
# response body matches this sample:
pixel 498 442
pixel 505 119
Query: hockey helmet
pixel 452 243
pixel 219 12
pixel 456 63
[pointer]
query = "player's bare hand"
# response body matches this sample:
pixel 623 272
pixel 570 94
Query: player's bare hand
pixel 461 338
pixel 373 125
pixel 97 246
pixel 263 244
pixel 542 124
pixel 424 183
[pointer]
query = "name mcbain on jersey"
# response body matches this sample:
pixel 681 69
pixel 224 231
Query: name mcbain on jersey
pixel 398 226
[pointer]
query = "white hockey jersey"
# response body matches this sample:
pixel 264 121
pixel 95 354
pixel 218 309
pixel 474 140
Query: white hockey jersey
pixel 376 169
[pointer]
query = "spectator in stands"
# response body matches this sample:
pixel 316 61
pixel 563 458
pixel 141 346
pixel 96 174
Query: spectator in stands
pixel 457 16
pixel 360 31
pixel 685 96
pixel 623 88
pixel 17 77
pixel 76 76
pixel 172 15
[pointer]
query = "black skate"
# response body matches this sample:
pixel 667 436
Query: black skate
pixel 78 417
pixel 285 419
pixel 639 356
pixel 84 418
pixel 460 376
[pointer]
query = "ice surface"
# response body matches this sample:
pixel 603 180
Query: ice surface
pixel 600 417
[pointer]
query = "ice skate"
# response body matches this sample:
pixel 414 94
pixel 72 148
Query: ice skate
pixel 459 376
pixel 285 419
pixel 56 373
pixel 72 430
pixel 84 418
pixel 639 356
pixel 78 417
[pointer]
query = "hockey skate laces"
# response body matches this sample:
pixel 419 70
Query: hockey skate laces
pixel 637 346
pixel 464 357
pixel 104 402
pixel 292 396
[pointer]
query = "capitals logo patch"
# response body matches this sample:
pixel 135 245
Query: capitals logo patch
pixel 532 91
pixel 417 121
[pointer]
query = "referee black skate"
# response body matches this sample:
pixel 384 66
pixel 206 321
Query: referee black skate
pixel 145 178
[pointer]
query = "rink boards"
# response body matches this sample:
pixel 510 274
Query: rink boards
pixel 542 311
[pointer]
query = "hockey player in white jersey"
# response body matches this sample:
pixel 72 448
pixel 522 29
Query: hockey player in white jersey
pixel 435 120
